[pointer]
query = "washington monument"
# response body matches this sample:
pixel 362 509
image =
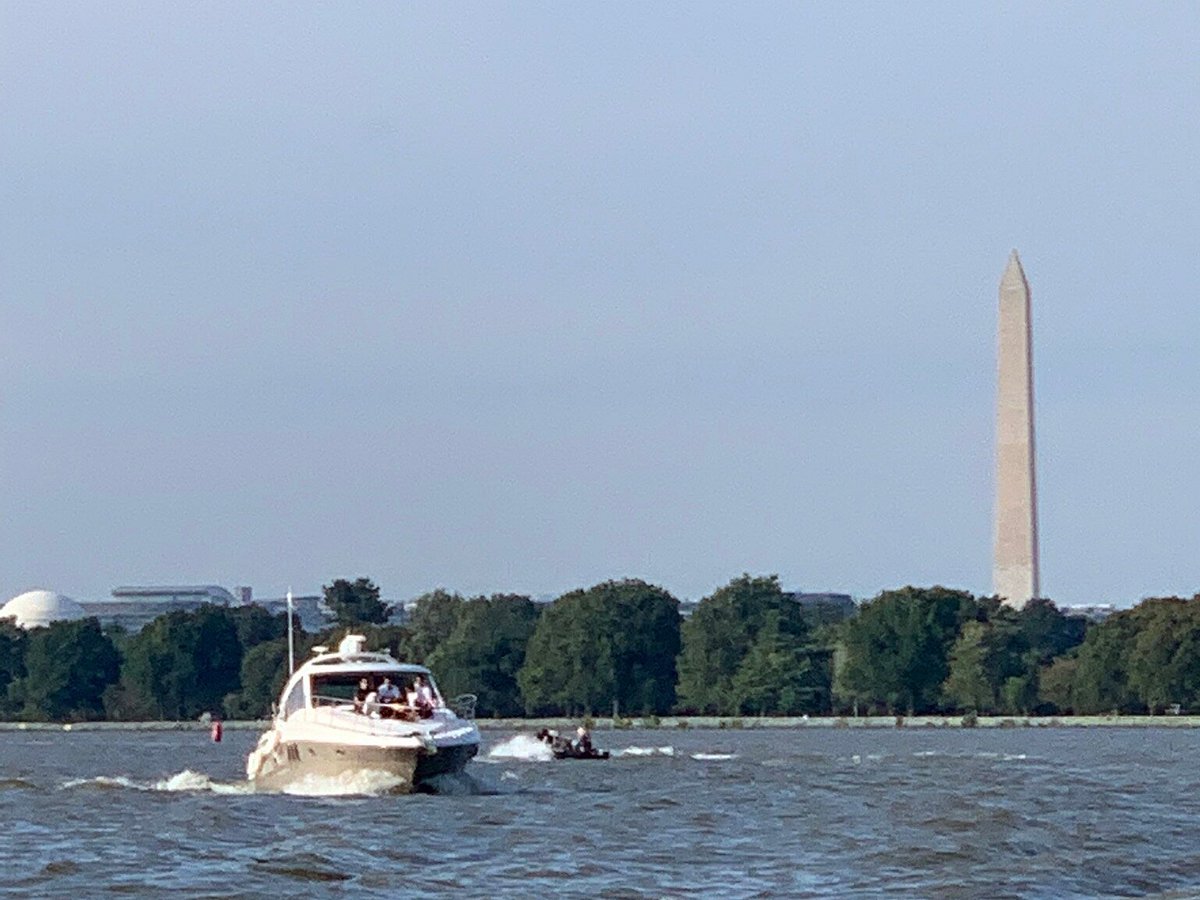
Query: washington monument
pixel 1015 564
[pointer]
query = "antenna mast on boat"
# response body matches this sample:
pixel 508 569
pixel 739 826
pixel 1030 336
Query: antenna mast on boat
pixel 291 638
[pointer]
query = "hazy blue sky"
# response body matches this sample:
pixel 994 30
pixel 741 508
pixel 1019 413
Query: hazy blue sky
pixel 525 298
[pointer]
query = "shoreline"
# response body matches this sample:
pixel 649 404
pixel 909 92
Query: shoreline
pixel 673 723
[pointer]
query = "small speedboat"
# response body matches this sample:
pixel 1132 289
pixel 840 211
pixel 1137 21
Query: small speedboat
pixel 571 751
pixel 320 727
pixel 566 749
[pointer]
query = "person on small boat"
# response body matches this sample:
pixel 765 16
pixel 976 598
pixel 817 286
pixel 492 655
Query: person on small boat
pixel 583 741
pixel 553 740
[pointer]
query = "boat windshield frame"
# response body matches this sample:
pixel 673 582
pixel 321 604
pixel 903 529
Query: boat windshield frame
pixel 336 686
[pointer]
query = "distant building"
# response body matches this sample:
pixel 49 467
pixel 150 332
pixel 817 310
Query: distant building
pixel 399 611
pixel 178 594
pixel 37 608
pixel 825 606
pixel 1015 577
pixel 310 609
pixel 133 608
pixel 1093 612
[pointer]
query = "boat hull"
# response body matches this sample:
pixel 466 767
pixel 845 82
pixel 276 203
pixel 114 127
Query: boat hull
pixel 293 762
pixel 445 761
pixel 595 754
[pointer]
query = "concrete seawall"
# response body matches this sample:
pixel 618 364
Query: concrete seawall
pixel 680 722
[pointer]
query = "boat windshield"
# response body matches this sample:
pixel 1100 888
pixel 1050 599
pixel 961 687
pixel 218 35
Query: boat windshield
pixel 336 688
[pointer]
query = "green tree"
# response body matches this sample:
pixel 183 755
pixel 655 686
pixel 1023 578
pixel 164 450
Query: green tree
pixel 390 639
pixel 263 674
pixel 485 651
pixel 255 624
pixel 1056 684
pixel 433 620
pixel 779 676
pixel 615 642
pixel 990 651
pixel 1102 667
pixel 568 666
pixel 1164 661
pixel 68 666
pixel 184 662
pixel 1019 693
pixel 1048 633
pixel 720 634
pixel 967 685
pixel 12 663
pixel 898 647
pixel 355 603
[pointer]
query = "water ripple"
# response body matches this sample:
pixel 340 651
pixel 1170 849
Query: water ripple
pixel 1020 813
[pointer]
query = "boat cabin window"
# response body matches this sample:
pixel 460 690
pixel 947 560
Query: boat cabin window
pixel 337 688
pixel 295 699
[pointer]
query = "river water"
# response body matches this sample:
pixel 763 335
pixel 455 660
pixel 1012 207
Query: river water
pixel 1026 812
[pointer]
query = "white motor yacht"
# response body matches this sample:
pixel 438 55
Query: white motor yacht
pixel 335 717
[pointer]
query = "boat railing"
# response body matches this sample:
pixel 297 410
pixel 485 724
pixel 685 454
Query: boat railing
pixel 463 706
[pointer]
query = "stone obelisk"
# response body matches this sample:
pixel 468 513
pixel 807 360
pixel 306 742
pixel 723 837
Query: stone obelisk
pixel 1015 564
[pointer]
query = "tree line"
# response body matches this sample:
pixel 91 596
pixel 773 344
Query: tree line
pixel 622 648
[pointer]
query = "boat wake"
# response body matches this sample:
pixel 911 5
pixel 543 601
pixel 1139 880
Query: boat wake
pixel 645 751
pixel 186 781
pixel 713 757
pixel 466 784
pixel 524 747
pixel 363 783
pixel 527 748
pixel 16 784
pixel 359 783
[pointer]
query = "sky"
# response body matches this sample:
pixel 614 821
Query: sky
pixel 525 297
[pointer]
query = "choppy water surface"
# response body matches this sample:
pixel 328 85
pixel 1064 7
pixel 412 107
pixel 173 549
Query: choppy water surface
pixel 907 812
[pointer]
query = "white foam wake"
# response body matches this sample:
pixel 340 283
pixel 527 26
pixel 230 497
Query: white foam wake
pixel 713 757
pixel 358 783
pixel 646 751
pixel 523 747
pixel 185 781
pixel 365 782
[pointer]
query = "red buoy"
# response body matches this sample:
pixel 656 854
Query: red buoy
pixel 216 732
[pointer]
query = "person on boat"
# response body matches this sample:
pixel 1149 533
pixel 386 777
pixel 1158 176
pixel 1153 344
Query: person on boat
pixel 583 741
pixel 360 695
pixel 371 706
pixel 388 694
pixel 422 699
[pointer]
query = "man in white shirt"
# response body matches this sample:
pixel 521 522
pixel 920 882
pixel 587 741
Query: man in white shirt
pixel 422 697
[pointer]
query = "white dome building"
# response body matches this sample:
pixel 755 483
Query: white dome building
pixel 34 609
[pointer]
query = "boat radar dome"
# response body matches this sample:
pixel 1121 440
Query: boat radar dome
pixel 352 645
